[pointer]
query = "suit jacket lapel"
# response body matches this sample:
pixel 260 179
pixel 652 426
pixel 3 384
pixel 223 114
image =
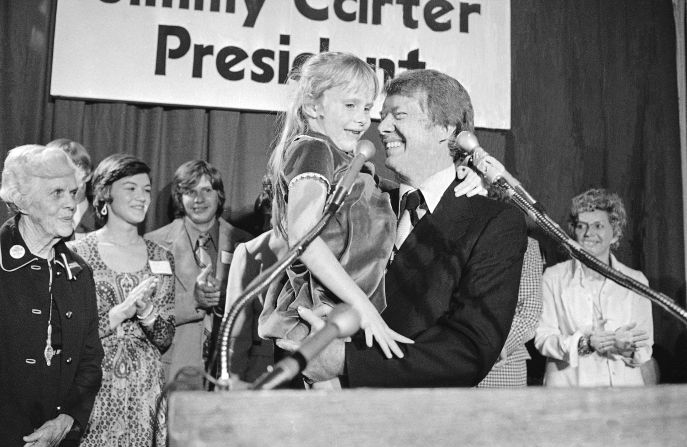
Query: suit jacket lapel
pixel 178 243
pixel 454 213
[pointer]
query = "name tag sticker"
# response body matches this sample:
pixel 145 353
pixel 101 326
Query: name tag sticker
pixel 160 267
pixel 225 257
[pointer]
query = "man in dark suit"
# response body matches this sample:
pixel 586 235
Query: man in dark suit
pixel 452 285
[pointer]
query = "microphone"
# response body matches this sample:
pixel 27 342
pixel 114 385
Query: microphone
pixel 364 151
pixel 490 168
pixel 343 321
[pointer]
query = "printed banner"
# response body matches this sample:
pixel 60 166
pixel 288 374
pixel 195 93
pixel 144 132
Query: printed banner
pixel 237 54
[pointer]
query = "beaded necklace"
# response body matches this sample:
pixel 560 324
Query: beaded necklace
pixel 49 352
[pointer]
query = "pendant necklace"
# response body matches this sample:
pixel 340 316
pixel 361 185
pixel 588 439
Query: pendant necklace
pixel 49 351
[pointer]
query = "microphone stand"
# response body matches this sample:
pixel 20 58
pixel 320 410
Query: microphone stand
pixel 527 204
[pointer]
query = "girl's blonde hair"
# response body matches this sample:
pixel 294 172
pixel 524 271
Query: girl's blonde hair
pixel 316 75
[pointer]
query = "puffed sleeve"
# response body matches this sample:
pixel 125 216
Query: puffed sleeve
pixel 311 158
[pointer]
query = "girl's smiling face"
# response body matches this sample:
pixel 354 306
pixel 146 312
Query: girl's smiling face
pixel 343 114
pixel 131 198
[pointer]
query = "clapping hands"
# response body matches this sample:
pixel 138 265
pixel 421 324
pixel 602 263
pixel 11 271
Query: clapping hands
pixel 137 302
pixel 628 339
pixel 623 341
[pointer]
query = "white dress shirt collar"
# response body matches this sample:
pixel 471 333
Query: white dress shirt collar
pixel 433 188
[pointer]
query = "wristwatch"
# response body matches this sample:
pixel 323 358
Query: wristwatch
pixel 583 346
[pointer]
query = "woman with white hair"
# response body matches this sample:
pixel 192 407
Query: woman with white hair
pixel 49 346
pixel 594 331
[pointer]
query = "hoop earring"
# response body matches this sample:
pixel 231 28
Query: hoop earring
pixel 103 210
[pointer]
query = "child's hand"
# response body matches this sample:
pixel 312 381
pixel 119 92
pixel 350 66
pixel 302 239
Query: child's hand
pixel 376 329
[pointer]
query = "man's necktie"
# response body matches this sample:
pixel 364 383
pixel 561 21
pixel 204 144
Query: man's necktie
pixel 202 253
pixel 409 218
pixel 203 258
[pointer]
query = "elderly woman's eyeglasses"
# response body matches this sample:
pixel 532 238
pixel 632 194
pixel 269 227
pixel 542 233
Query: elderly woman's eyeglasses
pixel 584 227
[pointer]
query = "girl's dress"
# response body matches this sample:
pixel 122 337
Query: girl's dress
pixel 125 413
pixel 361 236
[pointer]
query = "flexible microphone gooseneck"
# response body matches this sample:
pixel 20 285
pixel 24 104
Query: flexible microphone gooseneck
pixel 364 151
pixel 495 174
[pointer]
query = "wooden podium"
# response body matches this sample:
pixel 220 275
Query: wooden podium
pixel 536 416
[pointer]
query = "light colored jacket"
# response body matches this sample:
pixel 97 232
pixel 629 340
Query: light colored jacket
pixel 187 346
pixel 569 300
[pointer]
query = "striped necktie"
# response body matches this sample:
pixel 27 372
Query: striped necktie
pixel 202 254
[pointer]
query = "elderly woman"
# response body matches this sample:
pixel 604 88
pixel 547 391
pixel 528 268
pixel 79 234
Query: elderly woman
pixel 135 290
pixel 593 331
pixel 50 352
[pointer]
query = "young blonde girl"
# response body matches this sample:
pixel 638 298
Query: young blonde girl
pixel 329 113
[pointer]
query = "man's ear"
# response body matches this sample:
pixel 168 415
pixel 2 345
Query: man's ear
pixel 446 132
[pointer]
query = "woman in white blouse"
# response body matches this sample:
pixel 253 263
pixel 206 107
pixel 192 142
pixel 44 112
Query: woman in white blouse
pixel 593 331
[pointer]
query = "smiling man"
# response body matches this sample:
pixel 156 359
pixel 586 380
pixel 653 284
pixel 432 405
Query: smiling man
pixel 452 285
pixel 202 244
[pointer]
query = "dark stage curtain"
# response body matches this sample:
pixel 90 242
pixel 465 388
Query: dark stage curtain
pixel 594 103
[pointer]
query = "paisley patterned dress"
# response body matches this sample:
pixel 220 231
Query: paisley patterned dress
pixel 124 414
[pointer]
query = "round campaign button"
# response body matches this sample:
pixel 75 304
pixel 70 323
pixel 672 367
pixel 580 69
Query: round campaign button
pixel 17 251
